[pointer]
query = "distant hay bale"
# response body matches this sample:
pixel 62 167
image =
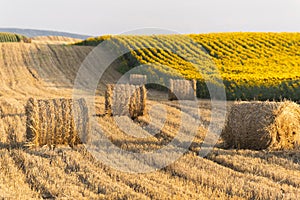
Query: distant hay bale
pixel 125 99
pixel 138 79
pixel 143 98
pixel 194 85
pixel 52 122
pixel 263 125
pixel 182 89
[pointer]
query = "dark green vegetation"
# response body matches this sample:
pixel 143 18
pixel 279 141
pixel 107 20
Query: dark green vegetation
pixel 11 37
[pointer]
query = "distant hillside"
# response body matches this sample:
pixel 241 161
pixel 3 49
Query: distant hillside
pixel 39 69
pixel 11 37
pixel 54 40
pixel 35 33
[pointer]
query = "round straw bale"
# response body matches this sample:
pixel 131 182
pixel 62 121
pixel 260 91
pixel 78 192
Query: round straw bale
pixel 194 85
pixel 58 132
pixel 52 122
pixel 66 123
pixel 182 89
pixel 82 120
pixel 137 79
pixel 171 91
pixel 73 135
pixel 125 100
pixel 43 122
pixel 108 99
pixel 263 125
pixel 32 121
pixel 134 103
pixel 143 99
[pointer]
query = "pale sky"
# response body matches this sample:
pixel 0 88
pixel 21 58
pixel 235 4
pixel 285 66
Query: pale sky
pixel 96 17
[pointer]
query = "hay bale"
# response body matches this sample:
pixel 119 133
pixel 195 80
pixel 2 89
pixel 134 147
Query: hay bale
pixel 108 98
pixel 52 122
pixel 58 130
pixel 83 121
pixel 137 79
pixel 263 125
pixel 66 119
pixel 171 95
pixel 134 104
pixel 143 98
pixel 194 86
pixel 32 121
pixel 42 126
pixel 125 99
pixel 182 89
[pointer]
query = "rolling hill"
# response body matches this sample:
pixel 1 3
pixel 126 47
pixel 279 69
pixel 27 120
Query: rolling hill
pixel 44 70
pixel 11 37
pixel 252 65
pixel 35 33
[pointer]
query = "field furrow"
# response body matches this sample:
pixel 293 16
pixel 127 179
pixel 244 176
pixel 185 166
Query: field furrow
pixel 50 176
pixel 166 186
pixel 259 167
pixel 217 177
pixel 14 183
pixel 96 179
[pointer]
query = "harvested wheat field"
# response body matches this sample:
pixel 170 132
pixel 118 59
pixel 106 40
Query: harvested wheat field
pixel 54 40
pixel 46 72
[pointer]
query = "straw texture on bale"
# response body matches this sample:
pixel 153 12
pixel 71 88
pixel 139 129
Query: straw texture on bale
pixel 53 122
pixel 137 79
pixel 109 98
pixel 263 125
pixel 125 100
pixel 182 89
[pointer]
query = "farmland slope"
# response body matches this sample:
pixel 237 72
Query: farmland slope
pixel 48 71
pixel 252 65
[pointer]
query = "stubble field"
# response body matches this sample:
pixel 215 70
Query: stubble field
pixel 48 71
